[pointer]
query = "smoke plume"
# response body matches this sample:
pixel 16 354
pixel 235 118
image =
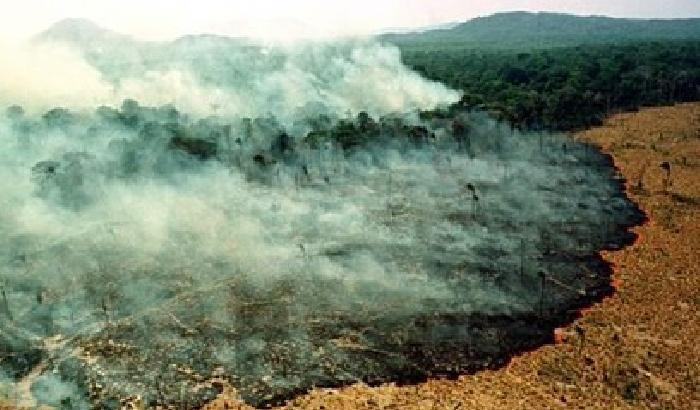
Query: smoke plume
pixel 275 218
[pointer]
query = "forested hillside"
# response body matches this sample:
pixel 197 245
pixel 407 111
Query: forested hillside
pixel 558 71
pixel 519 30
pixel 566 88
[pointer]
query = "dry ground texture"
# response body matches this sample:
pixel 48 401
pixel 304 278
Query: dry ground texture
pixel 636 350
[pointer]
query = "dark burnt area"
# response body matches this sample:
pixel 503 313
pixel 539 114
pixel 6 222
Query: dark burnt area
pixel 347 347
pixel 476 342
pixel 408 350
pixel 447 346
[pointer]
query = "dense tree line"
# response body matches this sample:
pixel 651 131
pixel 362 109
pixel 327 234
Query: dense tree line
pixel 565 88
pixel 156 140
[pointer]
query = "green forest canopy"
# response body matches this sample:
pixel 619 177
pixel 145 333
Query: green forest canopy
pixel 557 71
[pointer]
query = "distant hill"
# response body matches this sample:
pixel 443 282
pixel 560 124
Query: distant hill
pixel 82 31
pixel 516 30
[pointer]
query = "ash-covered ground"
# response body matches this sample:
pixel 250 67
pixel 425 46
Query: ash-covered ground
pixel 147 254
pixel 296 217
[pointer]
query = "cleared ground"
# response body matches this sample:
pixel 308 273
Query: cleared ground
pixel 639 348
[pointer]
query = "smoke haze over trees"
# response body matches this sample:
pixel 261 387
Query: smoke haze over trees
pixel 275 218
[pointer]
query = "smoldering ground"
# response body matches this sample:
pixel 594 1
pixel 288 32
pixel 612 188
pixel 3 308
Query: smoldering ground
pixel 150 250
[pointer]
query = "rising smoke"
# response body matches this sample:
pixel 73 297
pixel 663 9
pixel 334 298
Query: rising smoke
pixel 79 65
pixel 273 217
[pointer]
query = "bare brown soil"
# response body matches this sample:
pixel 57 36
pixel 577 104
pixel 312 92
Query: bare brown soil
pixel 639 349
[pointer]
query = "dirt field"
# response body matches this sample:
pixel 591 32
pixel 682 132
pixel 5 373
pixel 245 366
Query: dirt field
pixel 639 348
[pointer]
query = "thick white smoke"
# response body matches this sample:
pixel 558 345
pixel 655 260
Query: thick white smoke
pixel 212 75
pixel 41 77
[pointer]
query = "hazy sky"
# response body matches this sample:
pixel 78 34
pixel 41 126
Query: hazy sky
pixel 160 19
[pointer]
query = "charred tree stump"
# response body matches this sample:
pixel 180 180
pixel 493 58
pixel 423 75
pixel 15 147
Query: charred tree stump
pixel 6 305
